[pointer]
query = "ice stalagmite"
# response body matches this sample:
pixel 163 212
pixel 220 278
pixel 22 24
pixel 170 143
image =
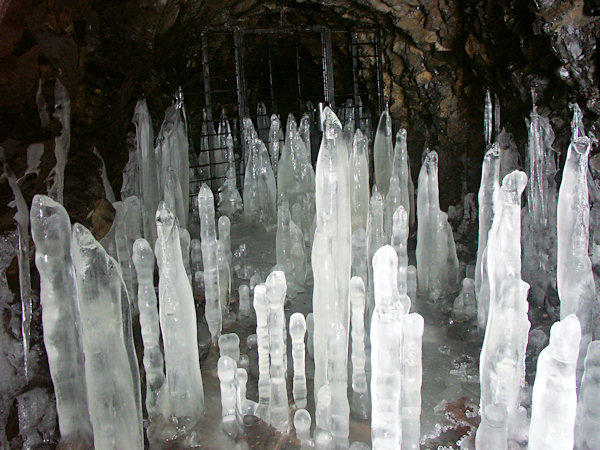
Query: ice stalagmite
pixel 322 436
pixel 51 231
pixel 332 247
pixel 359 255
pixel 185 242
pixel 260 190
pixel 360 401
pixel 554 397
pixel 399 243
pixel 274 142
pixel 108 191
pixel 575 279
pixel 337 379
pixel 502 359
pixel 375 240
pixel 143 258
pixel 230 201
pixel 487 119
pixel 386 352
pixel 587 425
pixel 212 311
pixel 412 374
pixel 393 200
pixel 383 152
pixel 224 274
pixel 359 182
pixel 22 219
pixel 178 323
pixel 112 396
pixel 206 138
pixel 226 368
pixel 278 403
pixel 283 239
pixel 402 170
pixel 62 142
pixel 262 121
pixel 261 306
pixel 148 164
pixel 489 187
pixel 297 332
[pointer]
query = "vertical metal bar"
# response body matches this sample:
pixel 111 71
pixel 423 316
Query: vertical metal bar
pixel 208 105
pixel 326 56
pixel 379 74
pixel 298 70
pixel 238 42
pixel 354 52
pixel 273 107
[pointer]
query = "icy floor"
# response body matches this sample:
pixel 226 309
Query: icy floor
pixel 450 360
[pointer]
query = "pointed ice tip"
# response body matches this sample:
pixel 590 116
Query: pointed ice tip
pixel 431 157
pixel 358 135
pixel 401 134
pixel 564 338
pixel 83 238
pixel 329 115
pixel 515 182
pixel 142 250
pixel 582 145
pixel 205 192
pixel 141 107
pixel 494 151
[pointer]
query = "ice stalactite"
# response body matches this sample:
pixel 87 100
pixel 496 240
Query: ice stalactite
pixel 588 417
pixel 502 360
pixel 212 311
pixel 383 152
pixel 360 404
pixel 575 279
pixel 51 231
pixel 110 379
pixel 148 169
pixel 143 258
pixel 488 189
pixel 386 351
pixel 412 375
pixel 108 190
pixel 172 195
pixel 62 142
pixel 178 323
pixel 554 397
pixel 359 181
pixel 332 246
pixel 22 219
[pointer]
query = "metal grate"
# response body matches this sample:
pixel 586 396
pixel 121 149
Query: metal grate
pixel 313 64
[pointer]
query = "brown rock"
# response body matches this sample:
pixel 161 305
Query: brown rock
pixel 423 77
pixel 101 218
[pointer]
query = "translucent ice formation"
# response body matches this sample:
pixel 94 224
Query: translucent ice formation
pixel 274 142
pixel 322 436
pixel 332 247
pixel 359 182
pixel 492 432
pixel 393 200
pixel 386 351
pixel 178 323
pixel 297 331
pixel 62 142
pixel 229 345
pixel 185 243
pixel 337 379
pixel 51 231
pixel 412 374
pixel 588 415
pixel 554 397
pixel 261 306
pixel 113 389
pixel 489 187
pixel 383 152
pixel 212 311
pixel 226 371
pixel 399 243
pixel 278 404
pixel 412 283
pixel 143 258
pixel 283 239
pixel 310 329
pixel 502 357
pixel 360 402
pixel 150 187
pixel 244 301
pixel 402 170
pixel 575 280
pixel 302 425
pixel 224 274
pixel 465 305
pixel 487 119
pixel 360 255
pixel 108 191
pixel 230 201
pixel 260 190
pixel 376 239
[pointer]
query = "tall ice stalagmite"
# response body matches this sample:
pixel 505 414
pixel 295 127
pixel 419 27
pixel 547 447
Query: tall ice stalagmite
pixel 383 152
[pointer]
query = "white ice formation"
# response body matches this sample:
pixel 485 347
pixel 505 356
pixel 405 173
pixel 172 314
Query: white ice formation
pixel 230 201
pixel 359 181
pixel 401 168
pixel 229 345
pixel 337 380
pixel 360 403
pixel 588 414
pixel 412 374
pixel 383 152
pixel 297 332
pixel 465 305
pixel 274 142
pixel 108 191
pixel 226 369
pixel 399 241
pixel 375 240
pixel 244 301
pixel 261 306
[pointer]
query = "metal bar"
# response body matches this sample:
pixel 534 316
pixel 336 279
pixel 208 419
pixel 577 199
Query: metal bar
pixel 238 38
pixel 298 69
pixel 273 108
pixel 208 105
pixel 354 74
pixel 379 75
pixel 326 53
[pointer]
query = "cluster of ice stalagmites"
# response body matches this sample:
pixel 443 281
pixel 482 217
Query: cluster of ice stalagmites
pixel 502 358
pixel 437 263
pixel 554 397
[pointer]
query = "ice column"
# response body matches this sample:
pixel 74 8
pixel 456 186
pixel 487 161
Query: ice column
pixel 297 331
pixel 588 416
pixel 360 402
pixel 226 368
pixel 412 374
pixel 278 405
pixel 487 118
pixel 260 190
pixel 489 187
pixel 261 306
pixel 212 312
pixel 554 397
pixel 383 152
pixel 173 196
pixel 241 378
pixel 399 243
pixel 62 142
pixel 177 322
pixel 148 168
pixel 112 395
pixel 502 357
pixel 51 231
pixel 575 280
pixel 359 182
pixel 143 258
pixel 337 378
pixel 412 283
pixel 310 331
pixel 386 352
pixel 195 255
pixel 402 170
pixel 332 247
